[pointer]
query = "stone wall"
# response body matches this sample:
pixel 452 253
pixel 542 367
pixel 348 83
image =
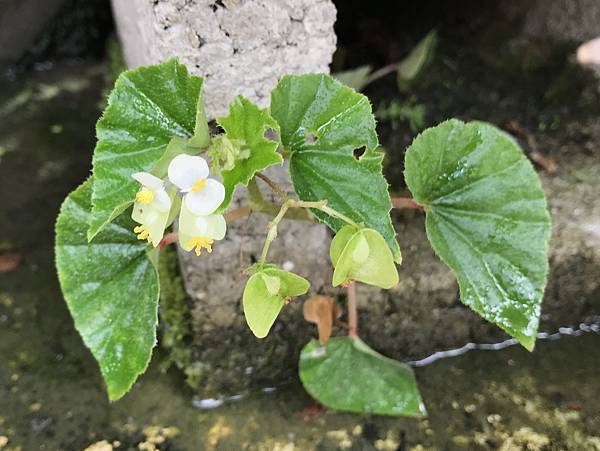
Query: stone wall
pixel 239 46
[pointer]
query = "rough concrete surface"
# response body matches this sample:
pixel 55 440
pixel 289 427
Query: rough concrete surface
pixel 571 20
pixel 239 46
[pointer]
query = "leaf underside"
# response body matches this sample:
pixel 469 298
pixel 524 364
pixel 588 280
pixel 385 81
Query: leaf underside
pixel 322 124
pixel 111 288
pixel 347 375
pixel 487 219
pixel 146 109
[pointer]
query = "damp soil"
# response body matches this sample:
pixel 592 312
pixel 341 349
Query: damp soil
pixel 51 393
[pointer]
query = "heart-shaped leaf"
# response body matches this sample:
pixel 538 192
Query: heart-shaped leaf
pixel 111 288
pixel 487 219
pixel 146 109
pixel 265 294
pixel 362 255
pixel 323 123
pixel 255 134
pixel 348 375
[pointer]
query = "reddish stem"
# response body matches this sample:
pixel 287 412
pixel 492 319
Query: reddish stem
pixel 405 202
pixel 169 238
pixel 352 312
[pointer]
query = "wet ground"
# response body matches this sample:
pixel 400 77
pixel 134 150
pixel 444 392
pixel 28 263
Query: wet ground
pixel 51 393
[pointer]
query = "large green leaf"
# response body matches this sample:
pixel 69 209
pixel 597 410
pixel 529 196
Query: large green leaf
pixel 322 124
pixel 348 375
pixel 486 218
pixel 147 107
pixel 255 136
pixel 111 288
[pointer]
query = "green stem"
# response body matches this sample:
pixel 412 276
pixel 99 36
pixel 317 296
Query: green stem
pixel 274 187
pixel 293 203
pixel 336 214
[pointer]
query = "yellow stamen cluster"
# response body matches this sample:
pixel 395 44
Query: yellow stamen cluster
pixel 143 233
pixel 144 196
pixel 199 185
pixel 200 242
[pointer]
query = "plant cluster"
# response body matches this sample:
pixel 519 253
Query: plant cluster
pixel 157 160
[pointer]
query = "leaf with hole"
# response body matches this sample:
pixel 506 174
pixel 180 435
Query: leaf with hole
pixel 255 135
pixel 487 219
pixel 265 294
pixel 111 288
pixel 322 124
pixel 146 109
pixel 347 375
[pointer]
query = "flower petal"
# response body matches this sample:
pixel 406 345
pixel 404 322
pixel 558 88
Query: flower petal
pixel 207 200
pixel 214 226
pixel 162 201
pixel 187 222
pixel 186 170
pixel 148 180
pixel 155 221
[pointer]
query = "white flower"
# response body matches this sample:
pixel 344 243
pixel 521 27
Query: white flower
pixel 151 208
pixel 199 231
pixel 190 174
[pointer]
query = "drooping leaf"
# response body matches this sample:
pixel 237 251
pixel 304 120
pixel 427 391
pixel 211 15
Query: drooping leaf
pixel 347 375
pixel 265 294
pixel 255 134
pixel 146 109
pixel 322 124
pixel 416 61
pixel 362 255
pixel 111 288
pixel 487 219
pixel 357 78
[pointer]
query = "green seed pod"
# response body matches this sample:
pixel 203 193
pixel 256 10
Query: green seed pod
pixel 267 291
pixel 362 255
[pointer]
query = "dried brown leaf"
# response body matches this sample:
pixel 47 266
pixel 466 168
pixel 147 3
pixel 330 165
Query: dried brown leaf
pixel 323 311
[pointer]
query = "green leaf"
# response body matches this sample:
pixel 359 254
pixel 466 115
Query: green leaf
pixel 416 61
pixel 322 124
pixel 362 255
pixel 487 219
pixel 176 146
pixel 357 78
pixel 253 130
pixel 201 136
pixel 111 288
pixel 266 293
pixel 348 375
pixel 146 109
